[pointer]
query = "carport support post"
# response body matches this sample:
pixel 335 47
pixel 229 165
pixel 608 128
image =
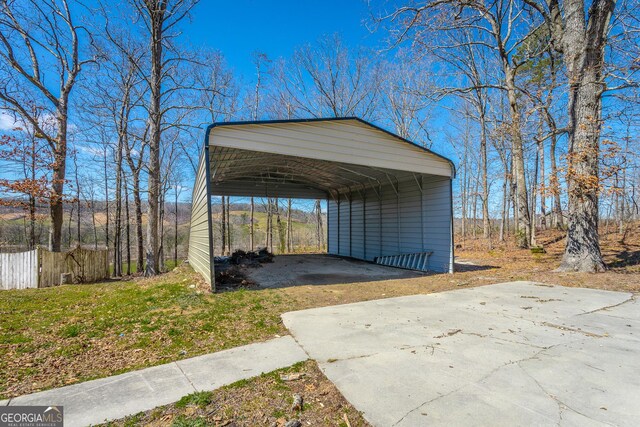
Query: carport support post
pixel 451 253
pixel 212 273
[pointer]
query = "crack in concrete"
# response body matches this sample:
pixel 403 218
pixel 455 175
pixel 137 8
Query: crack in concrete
pixel 477 334
pixel 475 383
pixel 631 298
pixel 562 406
pixel 427 402
pixel 570 329
pixel 300 345
pixel 185 376
pixel 360 356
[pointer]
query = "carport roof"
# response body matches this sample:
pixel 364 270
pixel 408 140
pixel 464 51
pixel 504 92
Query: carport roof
pixel 312 158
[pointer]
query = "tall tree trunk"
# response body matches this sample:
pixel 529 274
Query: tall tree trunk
pixel 486 226
pixel 106 199
pixel 554 184
pixel 229 242
pixel 463 202
pixel 475 207
pixel 117 232
pixel 252 225
pixel 289 227
pixel 223 226
pixel 503 217
pixel 175 232
pixel 534 199
pixel 543 198
pixel 69 222
pixel 59 168
pixel 523 235
pixel 32 199
pixel 137 201
pixel 583 46
pixel 78 208
pixel 282 231
pixel 127 228
pixel 622 190
pixel 156 12
pixel 319 233
pixel 161 263
pixel 93 221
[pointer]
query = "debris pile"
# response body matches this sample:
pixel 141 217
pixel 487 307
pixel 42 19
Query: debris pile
pixel 251 258
pixel 232 277
pixel 229 270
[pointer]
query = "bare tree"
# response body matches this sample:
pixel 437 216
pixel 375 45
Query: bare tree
pixel 160 18
pixel 407 93
pixel 260 59
pixel 327 79
pixel 38 38
pixel 497 27
pixel 578 29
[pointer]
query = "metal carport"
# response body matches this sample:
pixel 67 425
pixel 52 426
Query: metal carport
pixel 388 198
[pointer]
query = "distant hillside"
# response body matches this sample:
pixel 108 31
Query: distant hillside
pixel 14 226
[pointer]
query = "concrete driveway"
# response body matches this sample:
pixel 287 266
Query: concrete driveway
pixel 509 354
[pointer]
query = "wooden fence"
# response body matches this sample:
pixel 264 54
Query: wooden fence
pixel 40 268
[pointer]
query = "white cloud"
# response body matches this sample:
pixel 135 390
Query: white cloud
pixel 7 122
pixel 47 121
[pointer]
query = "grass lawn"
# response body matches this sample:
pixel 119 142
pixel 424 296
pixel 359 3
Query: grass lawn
pixel 57 336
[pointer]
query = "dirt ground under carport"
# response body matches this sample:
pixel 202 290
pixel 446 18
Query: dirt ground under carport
pixel 322 269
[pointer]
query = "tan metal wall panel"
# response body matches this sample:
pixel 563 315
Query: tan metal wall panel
pixel 200 255
pixel 373 227
pixel 344 237
pixel 436 204
pixel 332 227
pixel 391 223
pixel 357 225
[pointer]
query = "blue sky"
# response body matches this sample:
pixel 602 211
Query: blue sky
pixel 238 28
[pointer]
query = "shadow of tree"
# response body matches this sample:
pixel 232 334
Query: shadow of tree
pixel 625 259
pixel 466 266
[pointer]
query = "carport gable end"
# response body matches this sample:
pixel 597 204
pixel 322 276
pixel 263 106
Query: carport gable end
pixel 387 196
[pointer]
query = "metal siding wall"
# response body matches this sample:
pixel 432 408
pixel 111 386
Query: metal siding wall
pixel 410 217
pixel 345 226
pixel 357 226
pixel 394 224
pixel 332 227
pixel 199 245
pixel 437 221
pixel 389 218
pixel 372 225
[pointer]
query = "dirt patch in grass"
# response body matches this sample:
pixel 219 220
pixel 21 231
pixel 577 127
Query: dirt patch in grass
pixel 262 401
